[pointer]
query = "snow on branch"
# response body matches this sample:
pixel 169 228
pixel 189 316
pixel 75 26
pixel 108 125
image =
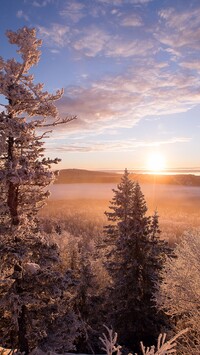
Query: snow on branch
pixel 163 347
pixel 24 172
pixel 59 121
pixel 109 342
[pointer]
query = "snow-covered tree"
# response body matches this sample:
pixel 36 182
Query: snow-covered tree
pixel 179 293
pixel 135 256
pixel 86 299
pixel 24 171
pixel 32 288
pixel 35 297
pixel 121 208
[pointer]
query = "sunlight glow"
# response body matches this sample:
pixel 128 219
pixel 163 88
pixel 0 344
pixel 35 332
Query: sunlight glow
pixel 156 162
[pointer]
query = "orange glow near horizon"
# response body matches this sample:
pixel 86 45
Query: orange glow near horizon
pixel 156 162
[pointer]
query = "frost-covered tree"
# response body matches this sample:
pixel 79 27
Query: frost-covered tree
pixel 121 208
pixel 33 296
pixel 179 293
pixel 24 170
pixel 87 299
pixel 135 256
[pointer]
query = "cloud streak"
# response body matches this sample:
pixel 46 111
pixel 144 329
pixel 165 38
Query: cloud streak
pixel 122 101
pixel 41 3
pixel 132 21
pixel 115 145
pixel 57 35
pixel 73 11
pixel 180 30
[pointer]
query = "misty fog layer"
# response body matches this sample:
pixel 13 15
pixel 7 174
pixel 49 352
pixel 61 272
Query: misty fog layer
pixel 104 191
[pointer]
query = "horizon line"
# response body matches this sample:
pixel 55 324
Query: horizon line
pixel 142 170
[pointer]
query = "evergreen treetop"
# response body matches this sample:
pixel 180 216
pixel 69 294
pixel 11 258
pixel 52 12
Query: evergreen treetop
pixel 135 256
pixel 32 286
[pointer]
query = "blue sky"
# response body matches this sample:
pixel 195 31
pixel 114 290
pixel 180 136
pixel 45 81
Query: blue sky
pixel 131 73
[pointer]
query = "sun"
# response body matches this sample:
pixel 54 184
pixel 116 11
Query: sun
pixel 156 162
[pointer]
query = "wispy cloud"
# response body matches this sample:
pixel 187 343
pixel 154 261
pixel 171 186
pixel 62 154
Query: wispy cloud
pixel 114 145
pixel 129 48
pixel 94 41
pixel 93 38
pixel 120 2
pixel 73 11
pixel 145 90
pixel 22 15
pixel 57 35
pixel 132 21
pixel 41 3
pixel 193 64
pixel 110 2
pixel 180 30
pixel 91 41
pixel 142 2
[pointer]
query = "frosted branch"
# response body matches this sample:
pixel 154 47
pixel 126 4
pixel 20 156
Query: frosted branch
pixel 59 121
pixel 163 348
pixel 109 342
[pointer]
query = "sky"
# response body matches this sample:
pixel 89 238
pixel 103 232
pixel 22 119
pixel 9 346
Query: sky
pixel 130 70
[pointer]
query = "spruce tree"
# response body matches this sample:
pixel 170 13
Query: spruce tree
pixel 32 288
pixel 121 209
pixel 24 170
pixel 132 261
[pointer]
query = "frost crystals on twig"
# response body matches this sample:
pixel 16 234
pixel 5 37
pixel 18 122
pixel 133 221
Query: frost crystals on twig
pixel 109 342
pixel 163 348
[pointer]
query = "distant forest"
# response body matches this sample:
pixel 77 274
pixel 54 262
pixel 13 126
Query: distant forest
pixel 72 176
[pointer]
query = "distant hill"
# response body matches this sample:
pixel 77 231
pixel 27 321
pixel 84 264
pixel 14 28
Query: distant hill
pixel 176 179
pixel 72 176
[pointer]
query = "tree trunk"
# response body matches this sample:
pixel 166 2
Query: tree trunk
pixel 22 345
pixel 22 341
pixel 12 199
pixel 12 202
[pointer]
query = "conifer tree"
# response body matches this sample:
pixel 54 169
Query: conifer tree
pixel 24 170
pixel 121 208
pixel 133 264
pixel 32 288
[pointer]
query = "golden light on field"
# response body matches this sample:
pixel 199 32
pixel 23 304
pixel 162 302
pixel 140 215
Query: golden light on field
pixel 156 162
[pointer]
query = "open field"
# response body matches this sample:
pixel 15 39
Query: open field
pixel 80 207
